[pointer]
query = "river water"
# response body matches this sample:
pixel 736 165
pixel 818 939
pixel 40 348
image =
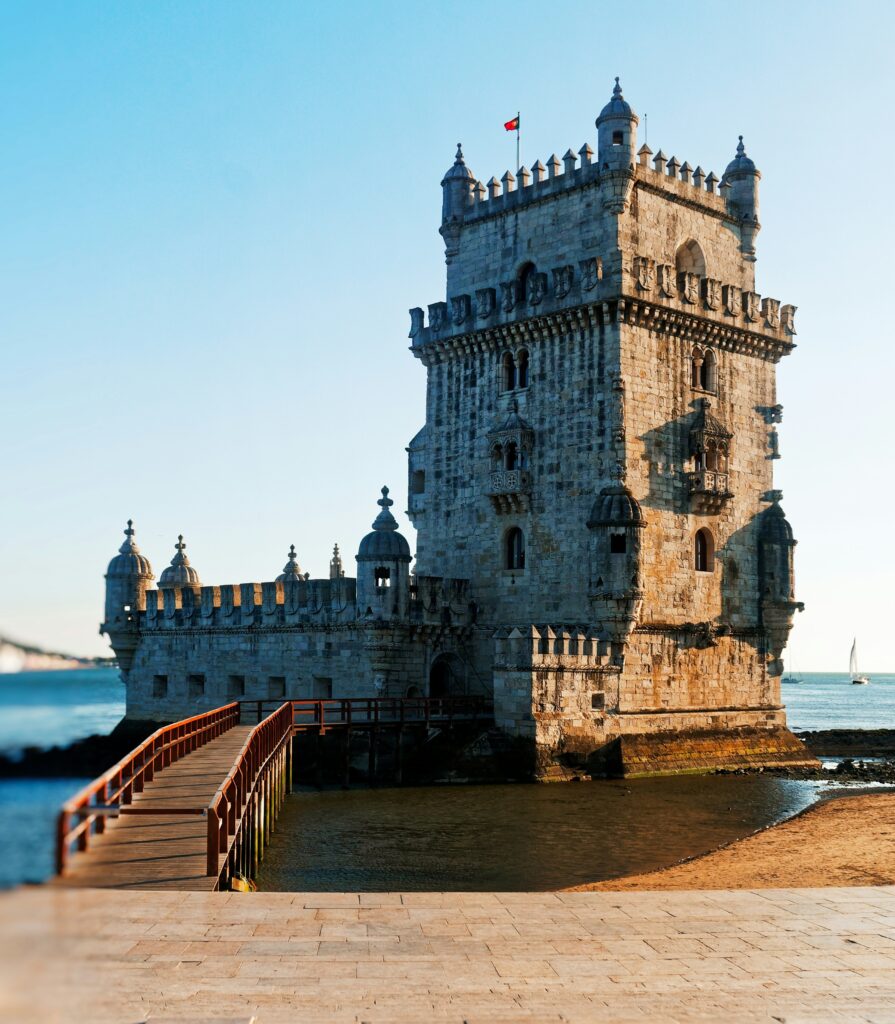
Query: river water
pixel 532 837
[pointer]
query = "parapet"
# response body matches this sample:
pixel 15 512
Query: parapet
pixel 532 648
pixel 441 601
pixel 243 605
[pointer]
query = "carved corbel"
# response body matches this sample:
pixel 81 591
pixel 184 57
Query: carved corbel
pixel 508 296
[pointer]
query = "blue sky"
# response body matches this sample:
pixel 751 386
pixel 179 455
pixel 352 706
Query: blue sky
pixel 216 215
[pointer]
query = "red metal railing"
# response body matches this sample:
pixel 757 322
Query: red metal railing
pixel 242 813
pixel 115 789
pixel 371 711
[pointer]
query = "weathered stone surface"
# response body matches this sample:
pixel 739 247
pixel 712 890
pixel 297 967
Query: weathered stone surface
pixel 599 542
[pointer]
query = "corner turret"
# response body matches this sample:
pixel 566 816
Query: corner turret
pixel 616 593
pixel 383 574
pixel 457 187
pixel 291 570
pixel 128 578
pixel 742 177
pixel 776 580
pixel 616 143
pixel 179 573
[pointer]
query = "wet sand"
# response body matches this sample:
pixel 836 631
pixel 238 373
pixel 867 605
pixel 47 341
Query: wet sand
pixel 842 841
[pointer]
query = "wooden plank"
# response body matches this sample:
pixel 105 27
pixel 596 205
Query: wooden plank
pixel 142 851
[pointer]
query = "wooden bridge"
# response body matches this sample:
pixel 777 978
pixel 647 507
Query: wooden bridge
pixel 195 805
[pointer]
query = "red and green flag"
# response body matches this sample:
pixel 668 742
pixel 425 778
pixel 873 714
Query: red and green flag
pixel 513 125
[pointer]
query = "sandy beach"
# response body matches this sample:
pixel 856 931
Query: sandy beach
pixel 842 841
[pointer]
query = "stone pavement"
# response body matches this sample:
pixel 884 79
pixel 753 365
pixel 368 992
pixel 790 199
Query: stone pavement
pixel 100 956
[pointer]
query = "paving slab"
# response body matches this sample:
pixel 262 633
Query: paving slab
pixel 130 957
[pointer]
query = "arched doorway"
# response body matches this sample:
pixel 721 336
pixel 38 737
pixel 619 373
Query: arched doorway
pixel 447 677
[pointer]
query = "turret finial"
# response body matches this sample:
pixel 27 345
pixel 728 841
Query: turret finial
pixel 385 501
pixel 459 157
pixel 617 91
pixel 180 544
pixel 129 532
pixel 741 149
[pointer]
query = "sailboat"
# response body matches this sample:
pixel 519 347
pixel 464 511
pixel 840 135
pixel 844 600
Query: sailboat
pixel 793 676
pixel 856 678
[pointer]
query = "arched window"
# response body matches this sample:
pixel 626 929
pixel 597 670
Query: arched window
pixel 509 372
pixel 522 279
pixel 418 482
pixel 497 457
pixel 704 545
pixel 383 577
pixel 618 544
pixel 511 458
pixel 708 372
pixel 696 368
pixel 618 138
pixel 514 553
pixel 689 258
pixel 522 369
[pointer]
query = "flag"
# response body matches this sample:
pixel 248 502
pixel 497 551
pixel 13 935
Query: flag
pixel 512 126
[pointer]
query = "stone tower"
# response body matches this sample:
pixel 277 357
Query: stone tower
pixel 598 452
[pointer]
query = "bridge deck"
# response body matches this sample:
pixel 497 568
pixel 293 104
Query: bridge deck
pixel 147 852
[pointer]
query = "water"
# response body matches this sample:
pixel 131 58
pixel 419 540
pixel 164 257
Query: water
pixel 369 837
pixel 515 837
pixel 827 700
pixel 45 709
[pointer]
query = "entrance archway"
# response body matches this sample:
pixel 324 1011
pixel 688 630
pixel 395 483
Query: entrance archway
pixel 447 677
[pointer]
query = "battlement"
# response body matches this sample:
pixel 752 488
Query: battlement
pixel 241 605
pixel 532 648
pixel 545 181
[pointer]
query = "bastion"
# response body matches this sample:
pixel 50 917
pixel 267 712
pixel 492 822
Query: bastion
pixel 600 547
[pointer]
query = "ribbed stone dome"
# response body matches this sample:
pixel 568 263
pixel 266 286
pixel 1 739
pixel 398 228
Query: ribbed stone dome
pixel 741 164
pixel 618 106
pixel 291 570
pixel 179 573
pixel 129 561
pixel 458 169
pixel 616 506
pixel 384 542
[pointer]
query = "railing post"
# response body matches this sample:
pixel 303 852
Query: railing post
pixel 61 842
pixel 212 843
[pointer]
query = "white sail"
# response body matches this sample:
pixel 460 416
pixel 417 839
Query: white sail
pixel 853 658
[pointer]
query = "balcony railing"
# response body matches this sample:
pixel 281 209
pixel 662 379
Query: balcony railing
pixel 710 481
pixel 510 481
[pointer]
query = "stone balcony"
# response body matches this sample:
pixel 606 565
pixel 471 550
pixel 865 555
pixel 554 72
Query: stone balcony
pixel 509 489
pixel 709 489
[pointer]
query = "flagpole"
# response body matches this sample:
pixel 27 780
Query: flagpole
pixel 518 126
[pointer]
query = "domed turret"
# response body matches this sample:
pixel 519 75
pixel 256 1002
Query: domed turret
pixel 742 176
pixel 383 560
pixel 616 143
pixel 291 570
pixel 128 578
pixel 456 196
pixel 616 595
pixel 776 579
pixel 129 563
pixel 616 506
pixel 179 573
